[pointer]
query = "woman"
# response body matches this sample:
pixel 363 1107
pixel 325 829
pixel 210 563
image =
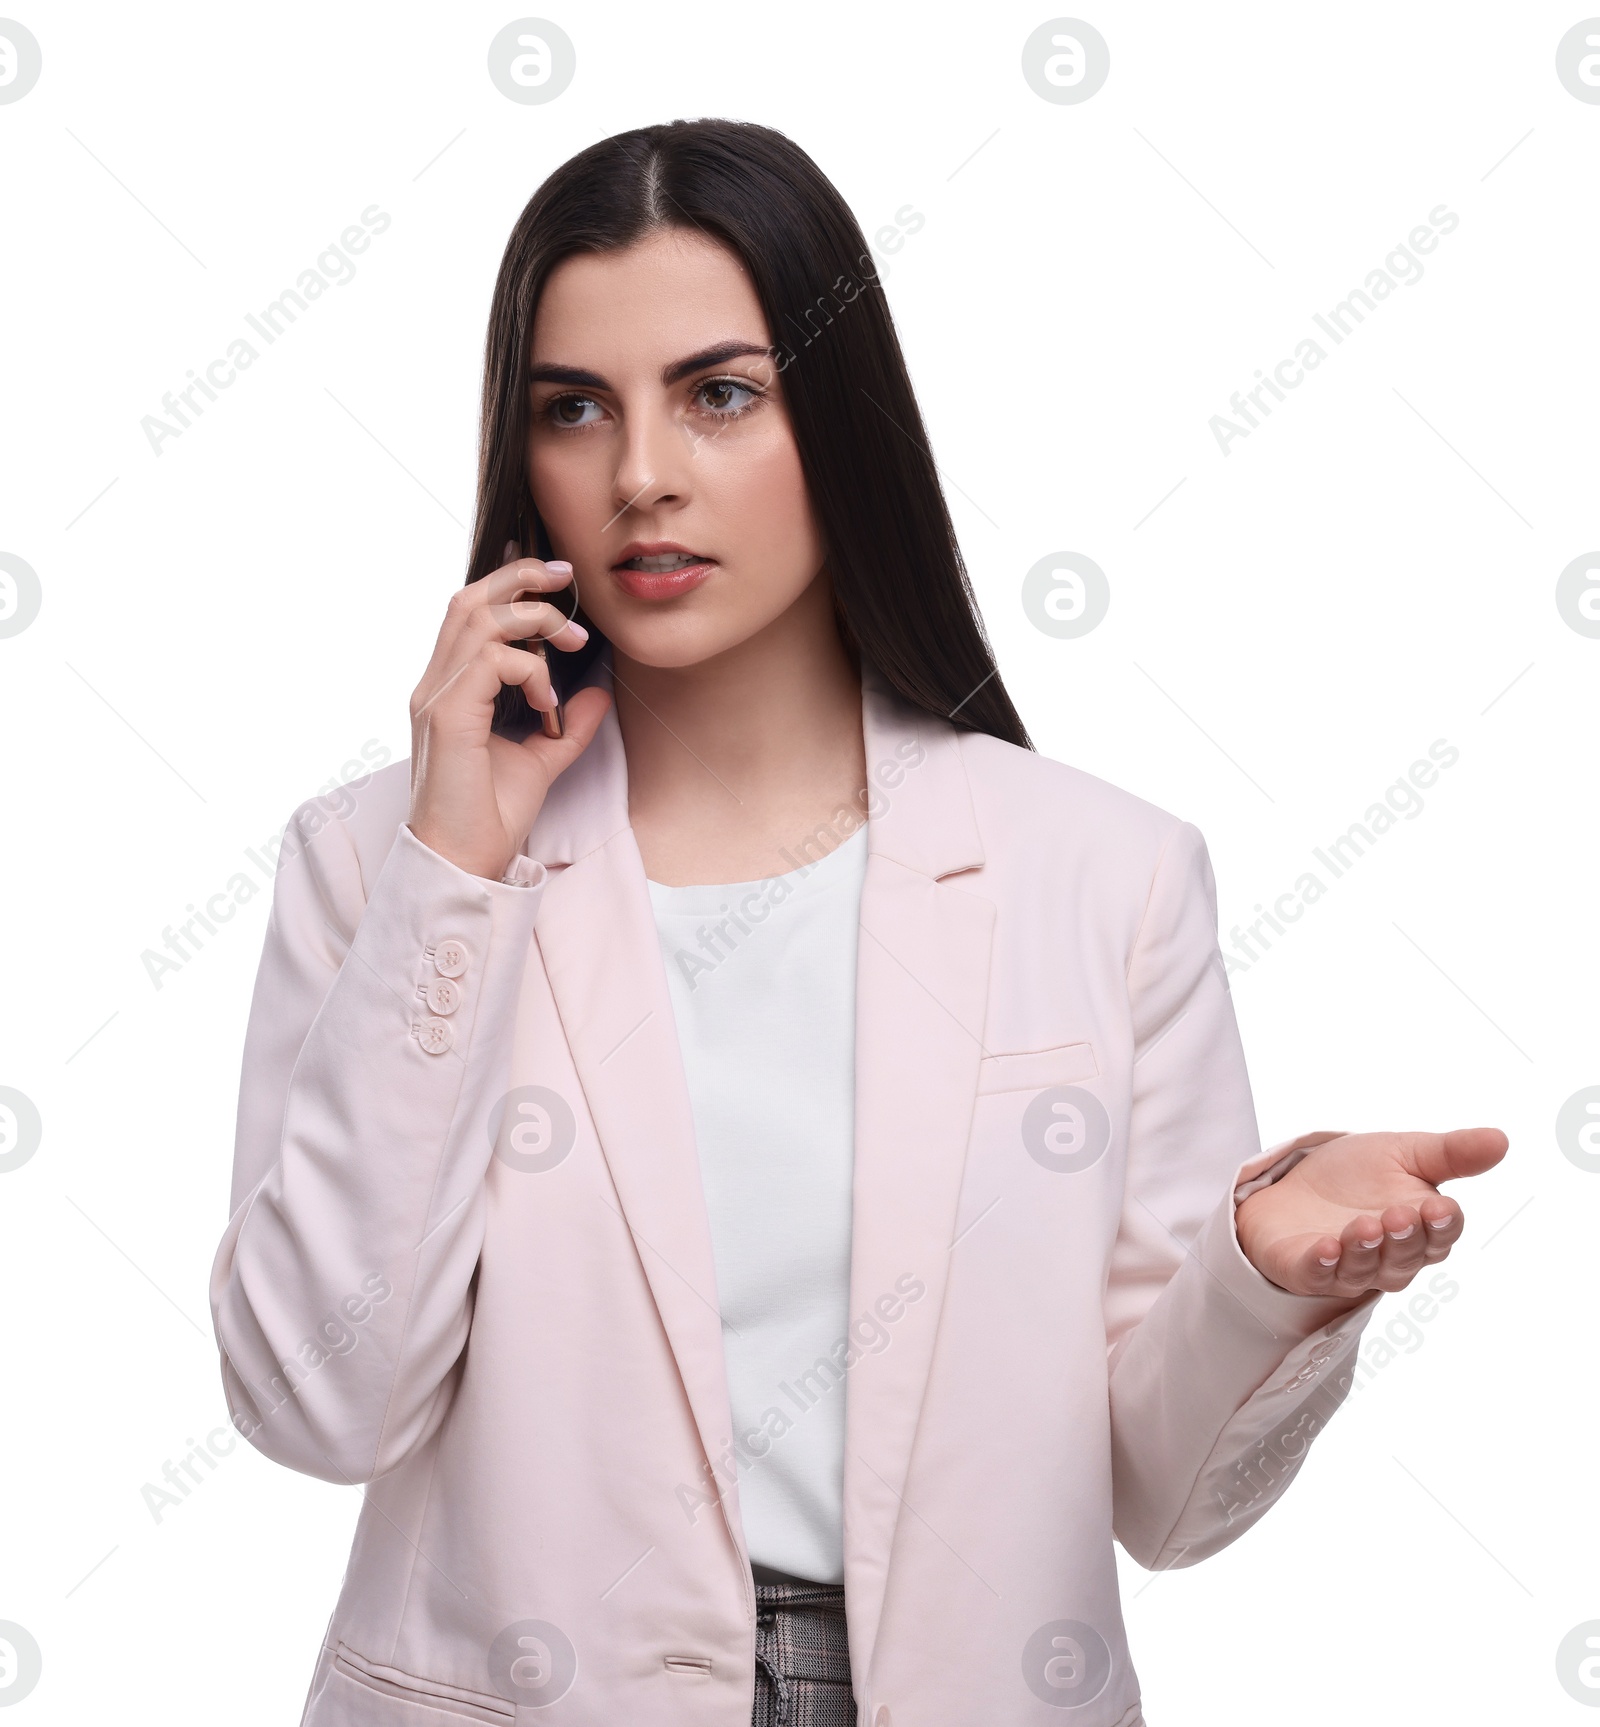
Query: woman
pixel 761 1300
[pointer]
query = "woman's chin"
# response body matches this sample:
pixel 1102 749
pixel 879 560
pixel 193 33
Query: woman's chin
pixel 678 636
pixel 673 644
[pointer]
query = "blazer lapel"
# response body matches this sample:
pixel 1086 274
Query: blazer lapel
pixel 597 935
pixel 921 991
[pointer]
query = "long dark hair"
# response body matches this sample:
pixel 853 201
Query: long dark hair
pixel 902 596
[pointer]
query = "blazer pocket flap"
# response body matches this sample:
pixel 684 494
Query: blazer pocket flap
pixel 1037 1069
pixel 439 1700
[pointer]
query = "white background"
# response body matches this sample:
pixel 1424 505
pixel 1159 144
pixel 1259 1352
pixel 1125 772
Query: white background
pixel 226 624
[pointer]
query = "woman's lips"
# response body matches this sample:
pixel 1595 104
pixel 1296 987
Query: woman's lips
pixel 662 584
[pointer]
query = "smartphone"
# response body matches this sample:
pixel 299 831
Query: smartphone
pixel 535 543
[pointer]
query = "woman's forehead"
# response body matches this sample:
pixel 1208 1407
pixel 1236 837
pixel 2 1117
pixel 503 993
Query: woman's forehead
pixel 674 293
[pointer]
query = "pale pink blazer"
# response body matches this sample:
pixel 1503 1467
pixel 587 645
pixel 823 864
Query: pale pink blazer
pixel 504 1322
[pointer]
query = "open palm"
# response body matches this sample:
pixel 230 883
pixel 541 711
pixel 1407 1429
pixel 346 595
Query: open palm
pixel 1363 1211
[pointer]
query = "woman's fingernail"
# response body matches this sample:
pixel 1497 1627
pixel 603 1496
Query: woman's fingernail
pixel 510 552
pixel 1373 1243
pixel 558 564
pixel 1401 1234
pixel 1437 1222
pixel 1333 1261
pixel 578 630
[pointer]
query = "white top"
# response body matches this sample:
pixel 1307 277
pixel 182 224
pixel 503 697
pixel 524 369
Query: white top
pixel 763 983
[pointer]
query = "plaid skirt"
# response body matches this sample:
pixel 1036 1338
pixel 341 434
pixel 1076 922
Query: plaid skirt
pixel 802 1657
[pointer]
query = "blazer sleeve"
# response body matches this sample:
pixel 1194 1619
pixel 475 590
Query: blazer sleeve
pixel 1219 1378
pixel 341 1293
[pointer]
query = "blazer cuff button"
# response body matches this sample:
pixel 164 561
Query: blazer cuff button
pixel 450 958
pixel 435 1036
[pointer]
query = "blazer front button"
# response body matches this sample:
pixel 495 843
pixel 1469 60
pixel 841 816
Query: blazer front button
pixel 435 1036
pixel 443 994
pixel 450 958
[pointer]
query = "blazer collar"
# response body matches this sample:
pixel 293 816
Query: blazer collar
pixel 920 811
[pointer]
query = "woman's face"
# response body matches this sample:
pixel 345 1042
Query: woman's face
pixel 661 457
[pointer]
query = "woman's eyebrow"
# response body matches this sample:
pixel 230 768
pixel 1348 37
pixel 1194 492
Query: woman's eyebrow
pixel 551 374
pixel 719 355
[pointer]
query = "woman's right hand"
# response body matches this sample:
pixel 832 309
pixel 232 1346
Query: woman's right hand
pixel 474 795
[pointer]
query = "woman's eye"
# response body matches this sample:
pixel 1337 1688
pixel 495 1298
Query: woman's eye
pixel 572 410
pixel 726 396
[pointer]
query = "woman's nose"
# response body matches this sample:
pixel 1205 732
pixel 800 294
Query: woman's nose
pixel 654 463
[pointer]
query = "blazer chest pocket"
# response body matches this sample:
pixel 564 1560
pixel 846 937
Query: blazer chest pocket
pixel 1037 1069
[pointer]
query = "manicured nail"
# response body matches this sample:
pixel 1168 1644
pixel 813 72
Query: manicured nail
pixel 1401 1234
pixel 1373 1243
pixel 1322 1261
pixel 1437 1222
pixel 579 631
pixel 558 564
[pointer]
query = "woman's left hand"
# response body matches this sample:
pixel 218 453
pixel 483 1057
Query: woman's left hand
pixel 1363 1211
